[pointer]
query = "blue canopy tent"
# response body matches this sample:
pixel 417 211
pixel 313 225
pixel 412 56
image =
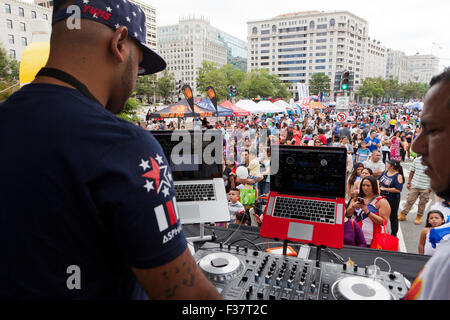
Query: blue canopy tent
pixel 221 111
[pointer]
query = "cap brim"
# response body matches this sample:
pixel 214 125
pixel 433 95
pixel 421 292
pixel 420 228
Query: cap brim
pixel 151 62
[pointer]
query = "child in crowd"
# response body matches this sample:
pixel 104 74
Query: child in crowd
pixel 435 218
pixel 242 217
pixel 234 206
pixel 363 153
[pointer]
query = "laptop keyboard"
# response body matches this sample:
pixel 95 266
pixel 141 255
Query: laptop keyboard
pixel 301 209
pixel 195 192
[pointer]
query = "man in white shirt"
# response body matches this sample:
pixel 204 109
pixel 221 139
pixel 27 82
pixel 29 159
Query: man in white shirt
pixel 433 144
pixel 375 164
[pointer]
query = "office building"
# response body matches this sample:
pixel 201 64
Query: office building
pixel 16 19
pixel 375 60
pixel 397 66
pixel 421 68
pixel 236 50
pixel 294 46
pixel 187 44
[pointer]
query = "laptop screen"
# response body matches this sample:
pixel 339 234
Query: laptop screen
pixel 309 171
pixel 192 155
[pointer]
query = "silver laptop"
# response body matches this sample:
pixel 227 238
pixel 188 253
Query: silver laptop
pixel 195 159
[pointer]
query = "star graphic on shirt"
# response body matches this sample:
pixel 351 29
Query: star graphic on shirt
pixel 118 6
pixel 159 159
pixel 108 9
pixel 135 34
pixel 86 1
pixel 128 19
pixel 117 26
pixel 134 14
pixel 154 174
pixel 95 16
pixel 166 192
pixel 149 186
pixel 145 165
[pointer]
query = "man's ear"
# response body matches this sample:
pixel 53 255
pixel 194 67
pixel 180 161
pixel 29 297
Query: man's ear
pixel 119 44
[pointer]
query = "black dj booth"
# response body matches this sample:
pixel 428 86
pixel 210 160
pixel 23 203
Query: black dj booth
pixel 235 240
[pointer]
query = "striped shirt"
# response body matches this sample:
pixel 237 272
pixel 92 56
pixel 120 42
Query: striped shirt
pixel 420 180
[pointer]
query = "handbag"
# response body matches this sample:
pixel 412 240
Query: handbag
pixel 384 241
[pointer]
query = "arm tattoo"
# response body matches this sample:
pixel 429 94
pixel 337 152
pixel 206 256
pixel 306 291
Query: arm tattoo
pixel 187 281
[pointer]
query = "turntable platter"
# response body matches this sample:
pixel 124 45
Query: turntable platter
pixel 221 266
pixel 360 288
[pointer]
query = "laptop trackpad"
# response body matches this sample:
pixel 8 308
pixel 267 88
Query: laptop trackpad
pixel 300 231
pixel 190 212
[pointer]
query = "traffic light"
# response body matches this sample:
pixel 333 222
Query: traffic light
pixel 230 91
pixel 179 85
pixel 345 82
pixel 337 81
pixel 234 91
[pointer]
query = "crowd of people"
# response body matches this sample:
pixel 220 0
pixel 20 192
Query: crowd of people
pixel 89 228
pixel 378 140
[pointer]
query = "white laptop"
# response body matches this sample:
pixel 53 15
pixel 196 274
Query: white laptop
pixel 195 159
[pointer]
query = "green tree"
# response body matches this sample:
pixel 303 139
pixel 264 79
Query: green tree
pixel 130 110
pixel 210 75
pixel 371 88
pixel 146 87
pixel 319 83
pixel 257 84
pixel 166 85
pixel 281 89
pixel 413 90
pixel 9 75
pixel 391 88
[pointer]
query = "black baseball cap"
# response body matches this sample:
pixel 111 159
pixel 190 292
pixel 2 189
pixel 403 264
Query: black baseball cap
pixel 117 13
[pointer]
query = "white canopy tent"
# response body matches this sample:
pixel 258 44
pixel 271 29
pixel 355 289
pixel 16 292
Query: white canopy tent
pixel 283 105
pixel 269 107
pixel 248 105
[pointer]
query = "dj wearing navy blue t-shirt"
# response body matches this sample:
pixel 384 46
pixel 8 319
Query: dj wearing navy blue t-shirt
pixel 88 208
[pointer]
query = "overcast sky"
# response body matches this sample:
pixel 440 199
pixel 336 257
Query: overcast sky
pixel 411 26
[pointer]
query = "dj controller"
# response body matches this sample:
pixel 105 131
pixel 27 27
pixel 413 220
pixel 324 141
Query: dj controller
pixel 245 274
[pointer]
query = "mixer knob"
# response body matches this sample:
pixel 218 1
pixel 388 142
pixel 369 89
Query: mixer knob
pixel 313 287
pixel 221 246
pixel 237 248
pixel 344 266
pixel 246 250
pixel 355 268
pixel 257 276
pixel 279 281
pixel 229 247
pixel 260 294
pixel 267 279
pixel 290 283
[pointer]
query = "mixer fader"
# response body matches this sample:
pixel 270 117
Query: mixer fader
pixel 245 274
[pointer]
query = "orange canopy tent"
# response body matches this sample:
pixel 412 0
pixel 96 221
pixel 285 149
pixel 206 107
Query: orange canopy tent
pixel 181 109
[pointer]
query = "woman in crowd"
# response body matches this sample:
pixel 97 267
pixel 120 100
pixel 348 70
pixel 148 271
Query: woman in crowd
pixel 403 145
pixel 369 209
pixel 396 142
pixel 355 176
pixel 391 185
pixel 297 135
